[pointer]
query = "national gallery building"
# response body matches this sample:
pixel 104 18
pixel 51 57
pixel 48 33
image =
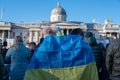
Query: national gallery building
pixel 32 31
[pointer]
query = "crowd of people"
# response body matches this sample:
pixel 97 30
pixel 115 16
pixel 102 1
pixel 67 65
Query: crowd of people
pixel 76 56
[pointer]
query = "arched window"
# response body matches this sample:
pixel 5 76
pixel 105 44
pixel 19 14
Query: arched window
pixel 59 18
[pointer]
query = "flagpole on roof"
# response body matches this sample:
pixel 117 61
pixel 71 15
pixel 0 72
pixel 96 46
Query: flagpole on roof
pixel 1 14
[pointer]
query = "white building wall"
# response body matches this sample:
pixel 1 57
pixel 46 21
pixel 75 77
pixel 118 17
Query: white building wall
pixel 58 18
pixel 22 32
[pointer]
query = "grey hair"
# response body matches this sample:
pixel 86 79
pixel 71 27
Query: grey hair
pixel 49 30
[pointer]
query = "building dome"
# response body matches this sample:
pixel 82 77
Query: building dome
pixel 58 14
pixel 58 10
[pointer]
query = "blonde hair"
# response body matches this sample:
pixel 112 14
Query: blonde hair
pixel 16 42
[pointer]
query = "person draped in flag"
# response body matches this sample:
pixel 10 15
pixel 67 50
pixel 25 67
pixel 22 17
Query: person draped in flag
pixel 59 32
pixel 66 57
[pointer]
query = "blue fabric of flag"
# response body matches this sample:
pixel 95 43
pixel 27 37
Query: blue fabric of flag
pixel 62 58
pixel 62 52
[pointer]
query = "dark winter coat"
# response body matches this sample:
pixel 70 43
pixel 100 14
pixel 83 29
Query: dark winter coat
pixel 99 57
pixel 1 67
pixel 97 50
pixel 113 59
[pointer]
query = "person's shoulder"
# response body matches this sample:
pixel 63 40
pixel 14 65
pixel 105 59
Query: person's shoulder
pixel 84 44
pixel 115 42
pixel 27 49
pixel 11 48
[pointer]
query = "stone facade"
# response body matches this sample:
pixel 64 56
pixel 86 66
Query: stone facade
pixel 32 31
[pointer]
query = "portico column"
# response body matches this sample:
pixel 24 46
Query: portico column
pixel 110 34
pixel 62 32
pixel 3 34
pixel 8 34
pixel 104 34
pixel 36 36
pixel 30 37
pixel 117 35
pixel 67 31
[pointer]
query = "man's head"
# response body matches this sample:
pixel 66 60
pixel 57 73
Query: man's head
pixel 4 43
pixel 32 46
pixel 49 30
pixel 88 34
pixel 18 39
pixel 77 31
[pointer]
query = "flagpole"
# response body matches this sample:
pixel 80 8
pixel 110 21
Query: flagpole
pixel 1 14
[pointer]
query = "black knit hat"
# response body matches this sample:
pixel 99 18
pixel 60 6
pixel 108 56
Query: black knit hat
pixel 88 34
pixel 77 31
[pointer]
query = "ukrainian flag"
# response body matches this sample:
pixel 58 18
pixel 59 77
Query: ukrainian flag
pixel 62 58
pixel 59 32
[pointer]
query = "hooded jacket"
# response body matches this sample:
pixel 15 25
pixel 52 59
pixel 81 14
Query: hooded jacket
pixel 97 51
pixel 19 61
